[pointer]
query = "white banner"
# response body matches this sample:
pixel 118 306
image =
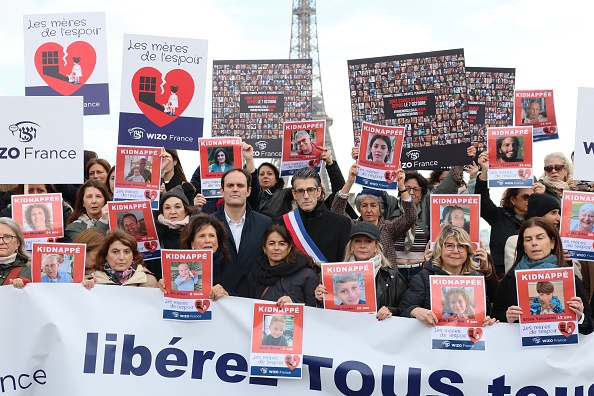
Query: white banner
pixel 584 144
pixel 65 340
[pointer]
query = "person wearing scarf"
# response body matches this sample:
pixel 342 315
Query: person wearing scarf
pixel 390 287
pixel 120 263
pixel 540 248
pixel 283 274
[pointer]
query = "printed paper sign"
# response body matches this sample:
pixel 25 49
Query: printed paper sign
pixel 490 100
pixel 58 262
pixel 425 94
pixel 138 174
pixel 42 137
pixel 302 145
pixel 461 210
pixel 136 218
pixel 252 99
pixel 546 319
pixel 163 86
pixel 510 157
pixel 536 108
pixel 40 217
pixel 217 156
pixel 277 341
pixel 188 278
pixel 577 224
pixel 66 55
pixel 379 157
pixel 459 304
pixel 350 286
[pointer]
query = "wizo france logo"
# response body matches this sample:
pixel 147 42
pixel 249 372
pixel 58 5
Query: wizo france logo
pixel 136 132
pixel 413 154
pixel 24 131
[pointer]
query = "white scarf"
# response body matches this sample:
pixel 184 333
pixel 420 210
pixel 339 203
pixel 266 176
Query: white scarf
pixel 174 225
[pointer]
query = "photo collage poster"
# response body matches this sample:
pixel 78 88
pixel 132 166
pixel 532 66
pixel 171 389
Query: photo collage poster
pixel 252 98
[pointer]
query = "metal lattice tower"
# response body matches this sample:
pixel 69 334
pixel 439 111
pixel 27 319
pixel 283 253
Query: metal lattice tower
pixel 304 45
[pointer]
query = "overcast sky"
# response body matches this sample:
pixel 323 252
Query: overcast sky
pixel 546 41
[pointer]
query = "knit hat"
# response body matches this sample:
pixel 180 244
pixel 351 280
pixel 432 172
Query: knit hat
pixel 177 192
pixel 541 204
pixel 365 228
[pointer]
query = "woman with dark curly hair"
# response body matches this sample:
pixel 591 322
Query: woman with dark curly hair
pixel 38 217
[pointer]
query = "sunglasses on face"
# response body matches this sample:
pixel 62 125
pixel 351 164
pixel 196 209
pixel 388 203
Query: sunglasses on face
pixel 557 167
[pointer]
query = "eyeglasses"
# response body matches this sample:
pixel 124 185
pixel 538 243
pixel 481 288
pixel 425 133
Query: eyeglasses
pixel 415 189
pixel 525 197
pixel 308 190
pixel 302 141
pixel 557 167
pixel 7 238
pixel 451 246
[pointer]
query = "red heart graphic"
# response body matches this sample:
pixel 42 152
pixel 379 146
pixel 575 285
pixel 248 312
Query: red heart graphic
pixel 524 173
pixel 153 195
pixel 147 245
pixel 152 246
pixel 313 163
pixel 566 328
pixel 390 176
pixel 162 100
pixel 202 305
pixel 475 334
pixel 292 361
pixel 147 194
pixel 58 67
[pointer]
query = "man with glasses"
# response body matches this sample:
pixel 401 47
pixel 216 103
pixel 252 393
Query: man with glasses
pixel 304 144
pixel 52 273
pixel 316 231
pixel 244 226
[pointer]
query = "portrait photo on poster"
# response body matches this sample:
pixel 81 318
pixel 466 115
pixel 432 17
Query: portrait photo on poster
pixel 186 276
pixel 349 289
pixel 534 110
pixel 138 168
pixel 303 142
pixel 510 149
pixel 546 298
pixel 458 302
pixel 132 222
pixel 277 330
pixel 380 148
pixel 37 217
pixel 220 159
pixel 456 215
pixel 582 217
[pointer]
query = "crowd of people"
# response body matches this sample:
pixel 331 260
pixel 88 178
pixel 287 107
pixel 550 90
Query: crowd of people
pixel 269 241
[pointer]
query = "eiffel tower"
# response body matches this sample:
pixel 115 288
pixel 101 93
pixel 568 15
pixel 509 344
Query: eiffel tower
pixel 304 45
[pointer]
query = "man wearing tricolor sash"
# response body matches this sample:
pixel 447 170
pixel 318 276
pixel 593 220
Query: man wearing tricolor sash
pixel 316 231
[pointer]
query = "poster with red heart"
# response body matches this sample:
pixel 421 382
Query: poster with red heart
pixel 461 210
pixel 510 157
pixel 459 303
pixel 136 218
pixel 277 341
pixel 537 108
pixel 546 318
pixel 188 279
pixel 66 55
pixel 163 87
pixel 138 174
pixel 379 156
pixel 39 216
pixel 303 143
pixel 217 156
pixel 252 98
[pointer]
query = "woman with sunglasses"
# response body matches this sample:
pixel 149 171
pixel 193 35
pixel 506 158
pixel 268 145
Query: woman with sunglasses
pixel 505 220
pixel 557 176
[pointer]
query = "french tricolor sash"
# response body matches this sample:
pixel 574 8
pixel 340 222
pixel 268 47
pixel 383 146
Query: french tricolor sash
pixel 302 240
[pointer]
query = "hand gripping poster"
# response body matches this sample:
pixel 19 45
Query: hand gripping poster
pixel 252 98
pixel 163 86
pixel 58 262
pixel 490 101
pixel 188 279
pixel 577 224
pixel 425 93
pixel 277 341
pixel 459 303
pixel 66 55
pixel 138 174
pixel 510 157
pixel 379 156
pixel 40 217
pixel 546 318
pixel 350 286
pixel 217 156
pixel 136 218
pixel 303 145
pixel 460 210
pixel 537 108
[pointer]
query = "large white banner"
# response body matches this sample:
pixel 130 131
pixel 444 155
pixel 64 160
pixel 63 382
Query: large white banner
pixel 41 140
pixel 584 139
pixel 65 340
